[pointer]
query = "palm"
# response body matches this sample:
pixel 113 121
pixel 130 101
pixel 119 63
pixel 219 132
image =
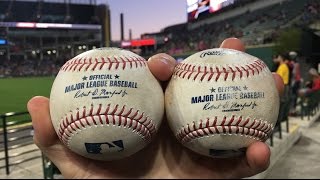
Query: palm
pixel 187 164
pixel 164 157
pixel 76 166
pixel 184 163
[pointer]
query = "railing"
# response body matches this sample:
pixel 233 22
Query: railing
pixel 283 116
pixel 49 169
pixel 309 104
pixel 17 131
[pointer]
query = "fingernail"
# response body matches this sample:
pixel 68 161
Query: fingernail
pixel 164 60
pixel 167 60
pixel 150 58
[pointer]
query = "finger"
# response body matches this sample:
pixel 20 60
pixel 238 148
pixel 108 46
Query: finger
pixel 257 158
pixel 46 139
pixel 162 65
pixel 44 133
pixel 279 83
pixel 233 43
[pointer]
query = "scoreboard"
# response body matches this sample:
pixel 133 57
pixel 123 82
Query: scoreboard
pixel 197 8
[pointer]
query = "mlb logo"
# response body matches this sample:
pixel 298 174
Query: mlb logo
pixel 99 148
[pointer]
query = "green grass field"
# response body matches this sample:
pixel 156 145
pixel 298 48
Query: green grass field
pixel 16 92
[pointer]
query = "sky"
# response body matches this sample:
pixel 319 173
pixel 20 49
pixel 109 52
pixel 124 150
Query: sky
pixel 145 16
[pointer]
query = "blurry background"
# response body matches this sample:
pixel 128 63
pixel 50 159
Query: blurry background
pixel 38 36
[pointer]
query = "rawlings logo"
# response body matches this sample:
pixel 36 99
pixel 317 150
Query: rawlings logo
pixel 108 48
pixel 211 53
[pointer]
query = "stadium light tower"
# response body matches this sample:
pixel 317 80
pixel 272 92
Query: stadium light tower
pixel 121 26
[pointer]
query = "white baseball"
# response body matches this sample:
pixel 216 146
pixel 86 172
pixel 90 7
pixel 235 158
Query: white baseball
pixel 219 101
pixel 105 104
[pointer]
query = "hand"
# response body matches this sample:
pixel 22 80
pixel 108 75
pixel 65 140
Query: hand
pixel 164 157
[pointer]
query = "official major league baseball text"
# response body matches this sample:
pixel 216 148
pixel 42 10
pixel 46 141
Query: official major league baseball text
pixel 105 104
pixel 219 101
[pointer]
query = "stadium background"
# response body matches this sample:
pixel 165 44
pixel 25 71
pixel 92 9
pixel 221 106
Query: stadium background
pixel 37 38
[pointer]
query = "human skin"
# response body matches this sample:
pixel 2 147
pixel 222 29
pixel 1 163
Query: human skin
pixel 164 157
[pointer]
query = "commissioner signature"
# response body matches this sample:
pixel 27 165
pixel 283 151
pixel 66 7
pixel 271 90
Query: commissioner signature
pixel 99 94
pixel 230 106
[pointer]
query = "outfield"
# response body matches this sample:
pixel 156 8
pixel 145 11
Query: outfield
pixel 16 92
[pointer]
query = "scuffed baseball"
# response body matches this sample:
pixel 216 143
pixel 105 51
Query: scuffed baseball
pixel 105 104
pixel 219 101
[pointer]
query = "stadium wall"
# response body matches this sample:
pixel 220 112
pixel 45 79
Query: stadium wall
pixel 264 52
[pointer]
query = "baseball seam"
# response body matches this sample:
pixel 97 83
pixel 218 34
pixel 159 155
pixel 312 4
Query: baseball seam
pixel 86 64
pixel 256 129
pixel 122 117
pixel 191 71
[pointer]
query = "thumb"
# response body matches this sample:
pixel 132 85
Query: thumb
pixel 44 133
pixel 162 65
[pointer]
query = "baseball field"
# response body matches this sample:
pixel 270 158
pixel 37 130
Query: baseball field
pixel 16 92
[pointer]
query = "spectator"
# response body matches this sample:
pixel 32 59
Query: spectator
pixel 295 80
pixel 314 86
pixel 283 71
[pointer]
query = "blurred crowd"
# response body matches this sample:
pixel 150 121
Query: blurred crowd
pixel 257 27
pixel 254 28
pixel 20 67
pixel 296 88
pixel 311 12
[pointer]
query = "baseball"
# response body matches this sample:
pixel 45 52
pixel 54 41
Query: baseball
pixel 219 101
pixel 105 104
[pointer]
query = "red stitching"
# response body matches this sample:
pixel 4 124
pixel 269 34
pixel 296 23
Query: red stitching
pixel 218 73
pixel 88 64
pixel 95 65
pixel 143 125
pixel 129 60
pixel 84 60
pixel 255 128
pixel 204 74
pixel 117 62
pixel 195 71
pixel 123 63
pixel 238 69
pixel 77 64
pixel 233 73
